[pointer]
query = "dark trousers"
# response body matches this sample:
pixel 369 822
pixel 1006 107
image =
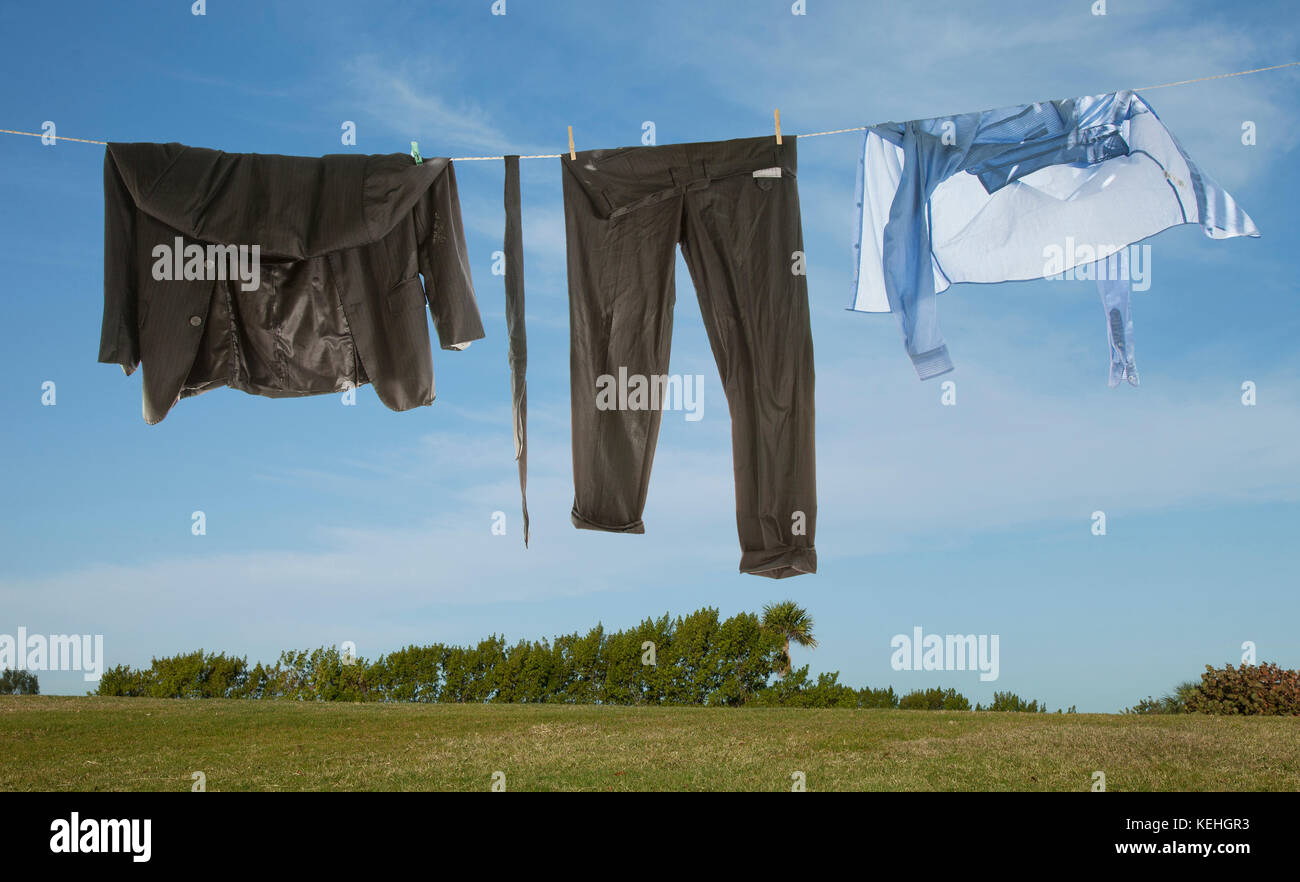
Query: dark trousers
pixel 625 213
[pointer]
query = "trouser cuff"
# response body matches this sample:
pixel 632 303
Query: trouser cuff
pixel 779 563
pixel 585 523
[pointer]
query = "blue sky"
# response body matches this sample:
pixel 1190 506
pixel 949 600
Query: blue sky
pixel 328 523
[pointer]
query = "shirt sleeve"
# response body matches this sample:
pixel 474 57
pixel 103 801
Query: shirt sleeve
pixel 444 263
pixel 908 256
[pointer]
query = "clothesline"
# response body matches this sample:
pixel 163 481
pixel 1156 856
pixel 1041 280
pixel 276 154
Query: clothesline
pixel 1239 73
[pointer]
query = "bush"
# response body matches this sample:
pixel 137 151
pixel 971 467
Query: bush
pixel 788 691
pixel 1009 702
pixel 1172 703
pixel 1264 689
pixel 188 675
pixel 934 699
pixel 796 689
pixel 868 697
pixel 19 682
pixel 123 681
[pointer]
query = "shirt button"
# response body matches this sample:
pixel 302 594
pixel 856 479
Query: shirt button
pixel 195 320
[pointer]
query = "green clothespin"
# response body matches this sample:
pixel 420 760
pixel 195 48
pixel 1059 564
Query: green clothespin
pixel 415 153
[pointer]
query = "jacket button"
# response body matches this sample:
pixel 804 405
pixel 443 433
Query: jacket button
pixel 195 320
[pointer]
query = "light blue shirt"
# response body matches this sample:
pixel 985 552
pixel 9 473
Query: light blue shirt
pixel 986 196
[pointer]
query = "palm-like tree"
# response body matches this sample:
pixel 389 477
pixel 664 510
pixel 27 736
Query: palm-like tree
pixel 792 624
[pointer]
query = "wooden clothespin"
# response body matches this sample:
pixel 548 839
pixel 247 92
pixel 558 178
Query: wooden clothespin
pixel 572 155
pixel 776 115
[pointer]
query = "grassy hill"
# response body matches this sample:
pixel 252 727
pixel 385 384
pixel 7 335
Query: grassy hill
pixel 79 743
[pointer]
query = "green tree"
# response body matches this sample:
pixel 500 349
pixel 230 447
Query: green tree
pixel 868 697
pixel 686 659
pixel 122 680
pixel 18 682
pixel 789 691
pixel 1012 703
pixel 743 657
pixel 792 624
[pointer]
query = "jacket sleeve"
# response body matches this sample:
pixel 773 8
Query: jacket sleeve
pixel 119 341
pixel 444 263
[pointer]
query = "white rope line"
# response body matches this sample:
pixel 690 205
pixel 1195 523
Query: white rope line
pixel 55 137
pixel 1240 73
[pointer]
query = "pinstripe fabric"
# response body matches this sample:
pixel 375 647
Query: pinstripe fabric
pixel 337 300
pixel 733 207
pixel 514 252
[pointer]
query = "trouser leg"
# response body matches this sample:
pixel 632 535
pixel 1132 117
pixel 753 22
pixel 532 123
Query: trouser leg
pixel 621 294
pixel 743 244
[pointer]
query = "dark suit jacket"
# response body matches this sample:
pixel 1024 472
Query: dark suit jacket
pixel 343 241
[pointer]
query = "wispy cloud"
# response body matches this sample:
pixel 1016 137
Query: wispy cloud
pixel 410 97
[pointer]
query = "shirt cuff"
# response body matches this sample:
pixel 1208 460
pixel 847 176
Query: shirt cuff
pixel 932 363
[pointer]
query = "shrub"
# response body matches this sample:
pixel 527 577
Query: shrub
pixel 123 681
pixel 1012 703
pixel 188 675
pixel 18 682
pixel 1172 703
pixel 934 699
pixel 868 697
pixel 1250 689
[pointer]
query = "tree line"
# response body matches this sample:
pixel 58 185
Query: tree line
pixel 697 659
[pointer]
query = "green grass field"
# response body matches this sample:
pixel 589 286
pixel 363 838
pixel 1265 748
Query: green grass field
pixel 78 743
